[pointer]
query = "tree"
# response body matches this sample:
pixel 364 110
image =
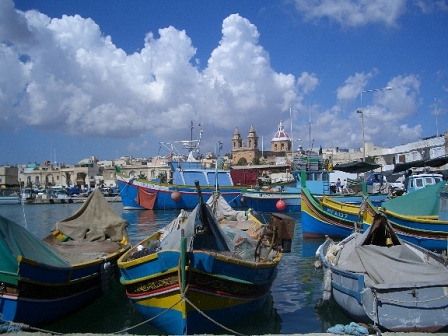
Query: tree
pixel 142 176
pixel 371 159
pixel 68 176
pixel 242 162
pixel 162 176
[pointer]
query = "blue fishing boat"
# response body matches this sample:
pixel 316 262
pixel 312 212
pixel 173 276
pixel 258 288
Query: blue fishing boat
pixel 198 275
pixel 379 279
pixel 43 281
pixel 326 216
pixel 138 194
pixel 288 199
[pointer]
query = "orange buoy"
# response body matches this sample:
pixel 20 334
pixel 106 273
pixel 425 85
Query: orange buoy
pixel 175 196
pixel 281 205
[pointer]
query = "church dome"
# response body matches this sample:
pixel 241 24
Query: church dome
pixel 281 134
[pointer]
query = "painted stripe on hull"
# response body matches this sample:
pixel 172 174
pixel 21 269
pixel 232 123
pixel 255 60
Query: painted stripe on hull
pixel 183 318
pixel 316 223
pixel 188 199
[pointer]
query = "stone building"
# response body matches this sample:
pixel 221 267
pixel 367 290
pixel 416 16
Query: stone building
pixel 281 143
pixel 242 154
pixel 86 173
pixel 9 176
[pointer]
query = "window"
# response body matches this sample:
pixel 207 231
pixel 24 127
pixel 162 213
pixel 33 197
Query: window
pixel 419 183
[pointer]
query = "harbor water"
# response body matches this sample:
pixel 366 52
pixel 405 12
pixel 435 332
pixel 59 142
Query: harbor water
pixel 292 307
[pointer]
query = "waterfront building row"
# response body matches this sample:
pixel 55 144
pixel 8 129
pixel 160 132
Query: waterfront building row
pixel 92 172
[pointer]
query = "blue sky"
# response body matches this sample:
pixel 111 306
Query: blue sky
pixel 112 78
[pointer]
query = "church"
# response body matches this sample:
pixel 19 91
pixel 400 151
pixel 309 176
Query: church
pixel 243 154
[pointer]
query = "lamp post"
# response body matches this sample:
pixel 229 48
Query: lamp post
pixel 363 139
pixel 360 111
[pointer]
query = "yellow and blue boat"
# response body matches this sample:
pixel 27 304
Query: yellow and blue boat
pixel 420 217
pixel 331 217
pixel 198 275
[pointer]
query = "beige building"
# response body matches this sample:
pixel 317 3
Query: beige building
pixel 242 154
pixel 86 173
pixel 8 177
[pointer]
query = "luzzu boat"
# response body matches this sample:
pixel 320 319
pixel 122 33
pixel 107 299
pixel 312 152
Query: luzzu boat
pixel 327 216
pixel 43 281
pixel 200 274
pixel 420 217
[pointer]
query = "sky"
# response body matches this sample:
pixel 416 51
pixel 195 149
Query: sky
pixel 109 78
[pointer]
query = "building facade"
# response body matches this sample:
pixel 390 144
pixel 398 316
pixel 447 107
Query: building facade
pixel 242 154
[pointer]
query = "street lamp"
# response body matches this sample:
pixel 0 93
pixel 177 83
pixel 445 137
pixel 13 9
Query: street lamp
pixel 360 111
pixel 363 140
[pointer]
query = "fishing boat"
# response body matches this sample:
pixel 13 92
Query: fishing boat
pixel 316 178
pixel 198 274
pixel 180 192
pixel 420 217
pixel 138 194
pixel 9 196
pixel 42 281
pixel 331 217
pixel 379 279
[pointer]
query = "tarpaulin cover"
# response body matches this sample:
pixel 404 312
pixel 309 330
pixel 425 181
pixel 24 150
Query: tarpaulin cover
pixel 95 220
pixel 17 241
pixel 437 162
pixel 356 167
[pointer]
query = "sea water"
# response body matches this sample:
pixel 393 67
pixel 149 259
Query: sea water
pixel 291 308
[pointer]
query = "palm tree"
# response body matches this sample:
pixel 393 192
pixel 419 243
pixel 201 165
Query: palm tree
pixel 141 176
pixel 68 176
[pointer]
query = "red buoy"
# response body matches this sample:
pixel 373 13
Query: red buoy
pixel 175 196
pixel 281 205
pixel 242 199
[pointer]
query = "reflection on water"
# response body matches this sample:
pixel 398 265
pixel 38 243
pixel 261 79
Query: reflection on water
pixel 291 307
pixel 142 223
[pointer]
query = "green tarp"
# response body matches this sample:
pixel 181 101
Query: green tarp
pixel 422 202
pixel 17 241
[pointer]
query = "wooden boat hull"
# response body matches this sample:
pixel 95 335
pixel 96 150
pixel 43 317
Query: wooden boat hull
pixel 412 308
pixel 44 280
pixel 267 201
pixel 8 200
pixel 224 288
pixel 328 217
pixel 163 194
pixel 316 182
pixel 54 292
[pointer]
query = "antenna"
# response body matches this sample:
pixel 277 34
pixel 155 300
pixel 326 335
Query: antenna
pixel 309 127
pixel 435 112
pixel 292 138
